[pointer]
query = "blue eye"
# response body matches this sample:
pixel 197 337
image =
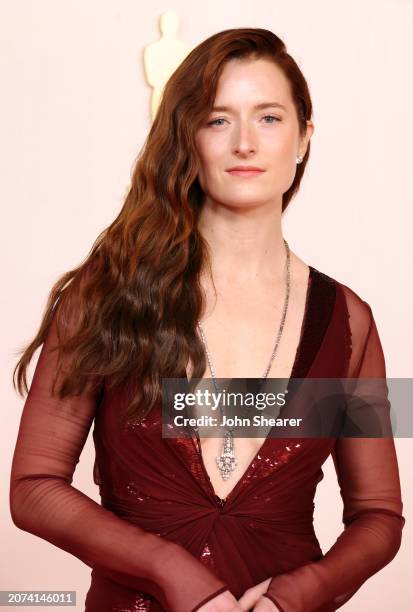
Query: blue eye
pixel 213 122
pixel 271 117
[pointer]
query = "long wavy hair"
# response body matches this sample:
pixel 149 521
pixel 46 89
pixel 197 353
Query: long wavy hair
pixel 127 315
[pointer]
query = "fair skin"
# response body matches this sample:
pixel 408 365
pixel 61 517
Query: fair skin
pixel 241 221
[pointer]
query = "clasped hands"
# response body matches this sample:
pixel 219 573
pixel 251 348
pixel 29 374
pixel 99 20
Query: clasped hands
pixel 251 600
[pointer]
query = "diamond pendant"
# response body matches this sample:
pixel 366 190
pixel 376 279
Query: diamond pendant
pixel 226 461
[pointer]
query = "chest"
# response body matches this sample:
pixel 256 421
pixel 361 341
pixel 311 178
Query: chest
pixel 240 330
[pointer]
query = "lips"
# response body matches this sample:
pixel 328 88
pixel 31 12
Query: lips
pixel 245 170
pixel 242 167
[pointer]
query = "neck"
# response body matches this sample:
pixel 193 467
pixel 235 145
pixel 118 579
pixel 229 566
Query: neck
pixel 246 244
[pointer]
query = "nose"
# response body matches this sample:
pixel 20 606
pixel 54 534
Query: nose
pixel 244 139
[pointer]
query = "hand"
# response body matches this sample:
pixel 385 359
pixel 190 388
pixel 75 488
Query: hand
pixel 265 605
pixel 224 602
pixel 253 594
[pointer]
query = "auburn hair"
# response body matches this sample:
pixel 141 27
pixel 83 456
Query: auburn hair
pixel 127 315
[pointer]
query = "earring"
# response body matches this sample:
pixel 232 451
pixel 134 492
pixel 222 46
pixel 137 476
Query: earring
pixel 299 159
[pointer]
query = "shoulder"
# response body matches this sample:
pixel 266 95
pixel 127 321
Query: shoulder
pixel 357 308
pixel 328 288
pixel 354 301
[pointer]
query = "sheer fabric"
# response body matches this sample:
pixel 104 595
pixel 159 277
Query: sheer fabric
pixel 162 539
pixel 368 477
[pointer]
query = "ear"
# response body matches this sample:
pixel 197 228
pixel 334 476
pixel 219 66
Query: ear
pixel 304 140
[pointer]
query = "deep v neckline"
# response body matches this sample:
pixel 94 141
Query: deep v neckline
pixel 295 369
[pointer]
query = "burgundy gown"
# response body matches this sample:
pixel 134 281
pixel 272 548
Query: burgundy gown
pixel 162 540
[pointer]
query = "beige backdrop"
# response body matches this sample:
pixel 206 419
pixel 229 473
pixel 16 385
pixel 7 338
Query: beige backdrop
pixel 76 110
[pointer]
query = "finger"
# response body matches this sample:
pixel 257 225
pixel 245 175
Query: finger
pixel 247 601
pixel 264 605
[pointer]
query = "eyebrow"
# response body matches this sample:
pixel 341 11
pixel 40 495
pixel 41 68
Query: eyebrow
pixel 256 107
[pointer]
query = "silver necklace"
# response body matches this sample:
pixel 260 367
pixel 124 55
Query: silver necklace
pixel 226 462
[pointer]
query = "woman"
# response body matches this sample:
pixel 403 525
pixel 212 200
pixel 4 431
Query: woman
pixel 195 272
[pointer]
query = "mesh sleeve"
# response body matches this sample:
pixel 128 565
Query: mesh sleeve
pixel 368 476
pixel 43 501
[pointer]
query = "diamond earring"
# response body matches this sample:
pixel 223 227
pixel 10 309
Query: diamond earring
pixel 299 159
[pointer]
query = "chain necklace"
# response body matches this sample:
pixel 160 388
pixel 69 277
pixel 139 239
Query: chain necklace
pixel 227 461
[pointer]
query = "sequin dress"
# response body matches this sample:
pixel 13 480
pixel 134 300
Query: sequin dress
pixel 162 540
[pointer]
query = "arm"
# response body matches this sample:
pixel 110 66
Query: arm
pixel 368 476
pixel 43 502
